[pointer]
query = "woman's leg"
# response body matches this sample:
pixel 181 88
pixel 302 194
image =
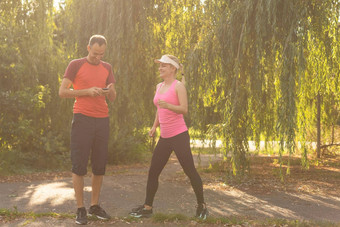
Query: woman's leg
pixel 181 146
pixel 160 157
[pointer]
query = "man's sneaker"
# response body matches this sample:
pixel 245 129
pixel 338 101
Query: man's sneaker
pixel 99 212
pixel 81 218
pixel 202 211
pixel 141 212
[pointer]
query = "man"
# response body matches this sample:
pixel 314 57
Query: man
pixel 92 81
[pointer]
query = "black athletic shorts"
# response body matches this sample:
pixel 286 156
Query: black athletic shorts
pixel 89 138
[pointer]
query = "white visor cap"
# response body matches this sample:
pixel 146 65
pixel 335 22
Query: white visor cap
pixel 166 59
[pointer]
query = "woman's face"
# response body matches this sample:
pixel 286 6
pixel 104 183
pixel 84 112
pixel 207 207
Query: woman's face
pixel 166 70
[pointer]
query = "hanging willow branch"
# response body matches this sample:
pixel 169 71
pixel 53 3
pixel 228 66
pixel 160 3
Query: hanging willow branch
pixel 275 53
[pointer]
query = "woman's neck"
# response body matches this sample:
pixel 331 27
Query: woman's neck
pixel 169 80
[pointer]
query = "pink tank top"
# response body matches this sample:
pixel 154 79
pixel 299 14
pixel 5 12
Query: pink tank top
pixel 171 123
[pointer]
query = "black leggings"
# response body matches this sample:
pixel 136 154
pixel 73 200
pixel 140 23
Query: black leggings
pixel 180 144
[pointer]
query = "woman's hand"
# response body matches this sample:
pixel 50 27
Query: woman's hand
pixel 163 104
pixel 152 132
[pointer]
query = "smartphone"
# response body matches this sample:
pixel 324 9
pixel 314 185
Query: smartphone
pixel 105 88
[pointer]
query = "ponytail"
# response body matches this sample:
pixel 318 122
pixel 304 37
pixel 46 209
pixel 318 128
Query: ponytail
pixel 182 73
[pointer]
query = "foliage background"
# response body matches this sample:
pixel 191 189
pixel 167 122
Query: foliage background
pixel 255 70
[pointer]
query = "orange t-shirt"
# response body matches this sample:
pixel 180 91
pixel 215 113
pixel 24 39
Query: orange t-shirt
pixel 85 75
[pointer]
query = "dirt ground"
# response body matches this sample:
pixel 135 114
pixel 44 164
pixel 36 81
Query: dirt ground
pixel 312 195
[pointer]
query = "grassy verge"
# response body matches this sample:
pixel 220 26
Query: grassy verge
pixel 7 215
pixel 235 221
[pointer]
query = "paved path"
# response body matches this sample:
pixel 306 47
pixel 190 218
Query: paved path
pixel 122 191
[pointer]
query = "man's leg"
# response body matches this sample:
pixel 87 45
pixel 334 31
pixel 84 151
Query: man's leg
pixel 78 185
pixel 97 181
pixel 96 209
pixel 81 140
pixel 99 158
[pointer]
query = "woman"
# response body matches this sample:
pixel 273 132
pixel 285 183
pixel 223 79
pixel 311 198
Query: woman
pixel 171 102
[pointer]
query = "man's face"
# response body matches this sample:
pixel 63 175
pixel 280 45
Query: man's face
pixel 96 53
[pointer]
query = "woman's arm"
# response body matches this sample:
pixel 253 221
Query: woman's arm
pixel 155 125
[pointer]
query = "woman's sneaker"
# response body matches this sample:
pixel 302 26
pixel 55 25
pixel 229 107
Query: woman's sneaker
pixel 99 212
pixel 202 211
pixel 141 212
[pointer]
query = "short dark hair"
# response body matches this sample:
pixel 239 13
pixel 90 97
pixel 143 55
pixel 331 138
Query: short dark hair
pixel 97 39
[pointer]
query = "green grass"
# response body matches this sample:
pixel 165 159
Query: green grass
pixel 236 221
pixel 8 215
pixel 160 217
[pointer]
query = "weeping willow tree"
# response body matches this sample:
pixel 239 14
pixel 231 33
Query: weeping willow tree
pixel 320 88
pixel 254 63
pixel 175 26
pixel 28 82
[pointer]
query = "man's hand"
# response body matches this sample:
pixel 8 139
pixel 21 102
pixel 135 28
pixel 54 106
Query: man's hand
pixel 95 91
pixel 111 92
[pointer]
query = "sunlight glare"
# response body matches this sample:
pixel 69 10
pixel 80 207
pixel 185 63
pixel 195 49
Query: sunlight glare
pixel 56 193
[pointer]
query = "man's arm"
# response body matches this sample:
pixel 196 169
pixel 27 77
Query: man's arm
pixel 112 94
pixel 66 92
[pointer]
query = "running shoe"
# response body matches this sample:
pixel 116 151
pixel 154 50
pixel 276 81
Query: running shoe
pixel 99 212
pixel 141 212
pixel 81 218
pixel 202 211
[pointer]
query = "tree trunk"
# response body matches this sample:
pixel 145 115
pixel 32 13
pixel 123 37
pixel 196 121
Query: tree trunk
pixel 318 126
